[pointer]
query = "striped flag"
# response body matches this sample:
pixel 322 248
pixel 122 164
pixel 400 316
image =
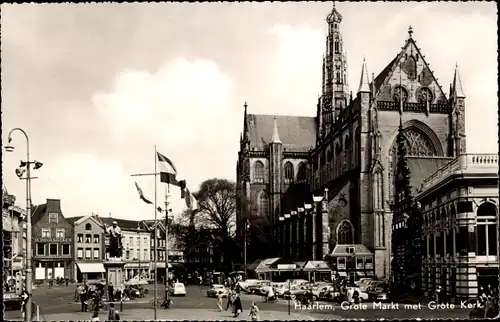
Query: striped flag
pixel 141 194
pixel 168 172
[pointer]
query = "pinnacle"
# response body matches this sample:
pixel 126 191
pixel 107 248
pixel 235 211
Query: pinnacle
pixel 276 136
pixel 364 83
pixel 457 84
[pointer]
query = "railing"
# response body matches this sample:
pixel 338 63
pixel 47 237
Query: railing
pixel 441 108
pixel 464 162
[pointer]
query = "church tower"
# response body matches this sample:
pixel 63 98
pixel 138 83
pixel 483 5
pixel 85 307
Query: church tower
pixel 335 91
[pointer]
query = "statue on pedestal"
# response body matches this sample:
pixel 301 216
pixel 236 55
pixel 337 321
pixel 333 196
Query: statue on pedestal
pixel 115 241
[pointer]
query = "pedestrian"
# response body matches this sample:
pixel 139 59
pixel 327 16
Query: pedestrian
pixel 83 299
pixel 230 299
pixel 237 307
pixel 219 301
pixel 95 316
pixel 111 292
pixel 254 312
pixel 439 291
pixel 112 313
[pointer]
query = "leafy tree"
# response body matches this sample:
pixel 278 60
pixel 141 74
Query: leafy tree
pixel 217 210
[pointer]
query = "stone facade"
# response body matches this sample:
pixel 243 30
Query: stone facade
pixel 349 148
pixel 460 226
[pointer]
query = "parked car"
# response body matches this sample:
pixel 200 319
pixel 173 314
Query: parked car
pixel 217 289
pixel 362 295
pixel 264 288
pixel 255 288
pixel 178 289
pixel 295 290
pixel 363 280
pixel 296 281
pixel 320 290
pixel 378 291
pixel 247 283
pixel 280 288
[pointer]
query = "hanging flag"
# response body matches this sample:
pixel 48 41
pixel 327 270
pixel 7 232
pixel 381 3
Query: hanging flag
pixel 168 172
pixel 182 185
pixel 191 201
pixel 141 194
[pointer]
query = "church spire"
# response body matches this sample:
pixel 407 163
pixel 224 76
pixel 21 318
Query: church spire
pixel 276 136
pixel 457 84
pixel 335 90
pixel 364 83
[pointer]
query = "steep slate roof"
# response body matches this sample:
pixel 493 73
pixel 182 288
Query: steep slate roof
pixel 38 212
pixel 72 220
pixel 297 133
pixel 341 250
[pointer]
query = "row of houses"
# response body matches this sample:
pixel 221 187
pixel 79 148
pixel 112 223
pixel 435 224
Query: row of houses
pixel 346 261
pixel 75 247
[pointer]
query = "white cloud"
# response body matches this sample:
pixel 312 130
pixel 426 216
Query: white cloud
pixel 295 77
pixel 182 100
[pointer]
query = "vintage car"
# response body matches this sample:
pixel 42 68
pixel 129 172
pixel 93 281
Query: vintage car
pixel 216 290
pixel 256 288
pixel 177 289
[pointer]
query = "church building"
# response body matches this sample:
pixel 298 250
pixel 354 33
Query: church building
pixel 347 153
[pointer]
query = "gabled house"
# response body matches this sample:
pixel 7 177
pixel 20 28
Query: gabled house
pixel 52 242
pixel 89 248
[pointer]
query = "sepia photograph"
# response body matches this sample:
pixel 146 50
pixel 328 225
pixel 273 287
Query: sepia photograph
pixel 249 161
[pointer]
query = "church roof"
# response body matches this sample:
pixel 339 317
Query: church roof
pixel 297 133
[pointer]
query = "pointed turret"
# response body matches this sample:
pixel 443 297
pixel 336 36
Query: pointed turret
pixel 246 137
pixel 364 83
pixel 457 84
pixel 276 136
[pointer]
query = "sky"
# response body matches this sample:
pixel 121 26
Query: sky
pixel 97 86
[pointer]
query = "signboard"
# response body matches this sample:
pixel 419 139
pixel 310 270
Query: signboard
pixel 287 266
pixel 52 239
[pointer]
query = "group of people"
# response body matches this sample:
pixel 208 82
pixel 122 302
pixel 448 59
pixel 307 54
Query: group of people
pixel 93 294
pixel 233 300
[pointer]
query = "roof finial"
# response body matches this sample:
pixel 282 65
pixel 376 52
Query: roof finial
pixel 410 31
pixel 276 136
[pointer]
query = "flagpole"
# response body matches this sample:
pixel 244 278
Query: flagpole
pixel 166 241
pixel 156 239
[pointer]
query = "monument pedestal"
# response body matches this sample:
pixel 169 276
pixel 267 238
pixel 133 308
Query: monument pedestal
pixel 114 271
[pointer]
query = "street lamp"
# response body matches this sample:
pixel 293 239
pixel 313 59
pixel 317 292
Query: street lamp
pixel 282 233
pixel 139 250
pixel 29 267
pixel 287 235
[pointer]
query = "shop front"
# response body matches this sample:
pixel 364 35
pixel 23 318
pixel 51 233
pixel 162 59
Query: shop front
pixel 137 270
pixel 90 271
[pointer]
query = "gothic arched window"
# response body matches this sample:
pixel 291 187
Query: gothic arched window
pixel 289 173
pixel 88 227
pixel 417 143
pixel 258 174
pixel 345 233
pixel 302 172
pixel 487 233
pixel 263 204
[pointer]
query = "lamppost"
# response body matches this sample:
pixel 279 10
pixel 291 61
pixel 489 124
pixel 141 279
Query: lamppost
pixel 287 235
pixel 294 236
pixel 26 167
pixel 281 234
pixel 139 250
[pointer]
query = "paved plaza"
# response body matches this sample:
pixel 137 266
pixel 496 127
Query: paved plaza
pixel 58 304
